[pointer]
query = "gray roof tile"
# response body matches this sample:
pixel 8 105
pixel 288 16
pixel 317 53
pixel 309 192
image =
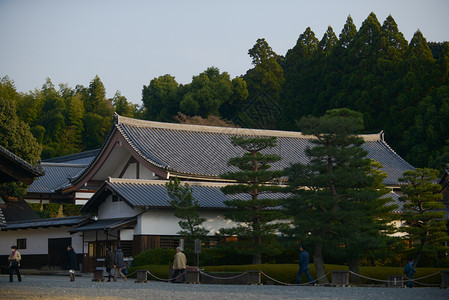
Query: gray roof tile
pixel 153 193
pixel 206 150
pixel 104 224
pixel 54 222
pixel 83 158
pixel 57 176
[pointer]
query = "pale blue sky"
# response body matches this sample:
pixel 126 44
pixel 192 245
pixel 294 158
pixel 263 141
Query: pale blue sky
pixel 128 43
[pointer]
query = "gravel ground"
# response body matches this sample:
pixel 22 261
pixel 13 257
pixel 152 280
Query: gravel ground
pixel 59 287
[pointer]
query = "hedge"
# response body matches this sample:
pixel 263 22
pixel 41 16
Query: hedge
pixel 51 210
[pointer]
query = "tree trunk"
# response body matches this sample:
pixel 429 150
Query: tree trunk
pixel 354 266
pixel 318 261
pixel 257 257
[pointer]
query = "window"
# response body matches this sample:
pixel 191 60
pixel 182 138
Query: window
pixel 115 198
pixel 21 243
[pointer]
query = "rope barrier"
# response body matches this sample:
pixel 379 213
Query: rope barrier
pixel 406 279
pixel 428 276
pixel 226 278
pixel 292 284
pixel 373 279
pixel 161 279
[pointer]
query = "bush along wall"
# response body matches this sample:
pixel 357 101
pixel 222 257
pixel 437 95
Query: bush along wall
pixel 54 210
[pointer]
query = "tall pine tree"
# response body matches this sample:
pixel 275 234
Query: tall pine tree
pixel 256 217
pixel 336 195
pixel 424 213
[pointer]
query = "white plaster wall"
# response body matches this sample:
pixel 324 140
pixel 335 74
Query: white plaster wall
pixel 127 234
pixel 37 239
pixel 398 224
pixel 111 210
pixel 144 173
pixel 163 222
pixel 37 201
pixel 130 172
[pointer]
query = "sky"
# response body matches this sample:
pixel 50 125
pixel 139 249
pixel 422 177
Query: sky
pixel 128 43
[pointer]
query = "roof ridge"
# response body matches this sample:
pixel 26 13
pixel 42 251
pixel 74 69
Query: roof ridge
pixel 163 181
pixel 225 130
pixel 54 164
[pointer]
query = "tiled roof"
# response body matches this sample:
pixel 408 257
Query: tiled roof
pixel 57 176
pixel 29 170
pixel 104 224
pixel 205 150
pixel 54 222
pixel 153 193
pixel 83 158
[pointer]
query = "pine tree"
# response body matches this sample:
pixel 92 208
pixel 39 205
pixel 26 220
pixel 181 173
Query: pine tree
pixel 256 217
pixel 424 213
pixel 337 193
pixel 186 208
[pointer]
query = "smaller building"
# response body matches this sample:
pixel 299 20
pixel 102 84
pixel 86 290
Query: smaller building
pixel 59 172
pixel 42 242
pixel 137 214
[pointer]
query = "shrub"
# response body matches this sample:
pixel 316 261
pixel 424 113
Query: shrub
pixel 71 209
pixel 154 257
pixel 35 206
pixel 52 209
pixel 43 214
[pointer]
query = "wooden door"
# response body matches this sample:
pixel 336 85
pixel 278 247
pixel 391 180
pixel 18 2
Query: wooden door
pixel 57 253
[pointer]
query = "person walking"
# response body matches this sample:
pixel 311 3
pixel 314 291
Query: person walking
pixel 14 264
pixel 409 270
pixel 109 261
pixel 119 263
pixel 73 262
pixel 179 265
pixel 304 266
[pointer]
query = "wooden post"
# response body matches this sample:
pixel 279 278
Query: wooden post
pixel 253 277
pixel 444 279
pixel 395 281
pixel 98 275
pixel 192 275
pixel 141 276
pixel 340 278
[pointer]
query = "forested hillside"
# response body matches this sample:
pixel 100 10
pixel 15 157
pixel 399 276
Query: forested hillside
pixel 400 87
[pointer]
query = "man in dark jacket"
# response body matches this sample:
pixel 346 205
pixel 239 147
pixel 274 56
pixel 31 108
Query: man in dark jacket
pixel 119 263
pixel 304 266
pixel 109 262
pixel 409 270
pixel 73 263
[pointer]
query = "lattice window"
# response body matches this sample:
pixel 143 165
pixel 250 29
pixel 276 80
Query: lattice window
pixel 21 243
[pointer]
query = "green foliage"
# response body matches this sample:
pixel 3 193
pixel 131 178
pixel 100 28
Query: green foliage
pixel 423 212
pixel 337 194
pixel 186 208
pixel 15 134
pixel 71 209
pixel 256 218
pixel 154 257
pixel 52 209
